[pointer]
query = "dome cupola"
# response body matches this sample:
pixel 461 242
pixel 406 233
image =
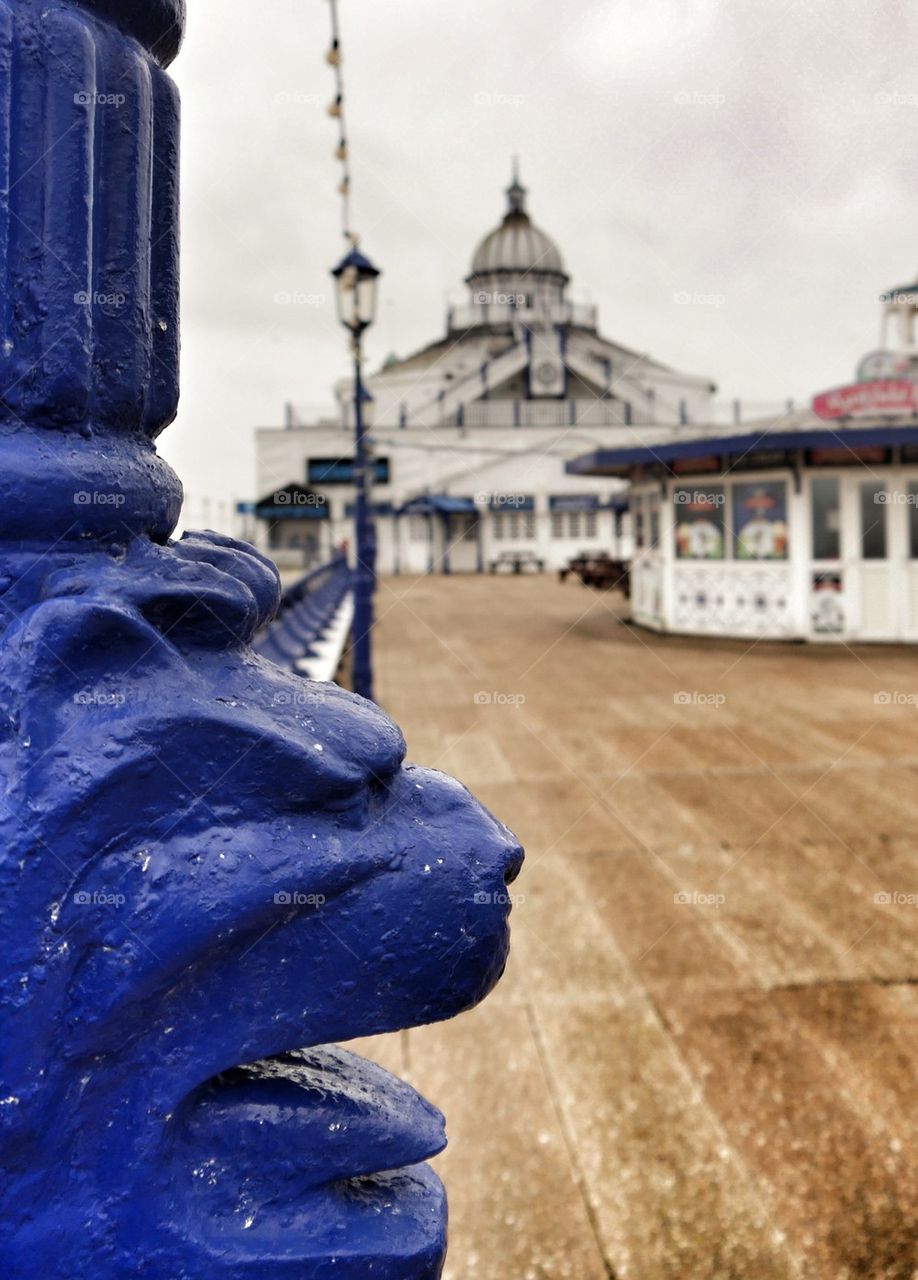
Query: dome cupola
pixel 517 255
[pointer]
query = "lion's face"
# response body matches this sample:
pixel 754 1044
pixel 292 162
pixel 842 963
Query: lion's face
pixel 227 868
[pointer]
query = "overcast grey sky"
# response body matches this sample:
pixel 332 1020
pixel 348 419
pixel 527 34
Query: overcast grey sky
pixel 760 154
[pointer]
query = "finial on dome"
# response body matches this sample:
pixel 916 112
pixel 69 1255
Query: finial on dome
pixel 516 192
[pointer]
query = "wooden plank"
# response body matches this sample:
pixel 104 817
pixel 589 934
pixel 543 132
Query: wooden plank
pixel 671 1195
pixel 687 1090
pixel 516 1209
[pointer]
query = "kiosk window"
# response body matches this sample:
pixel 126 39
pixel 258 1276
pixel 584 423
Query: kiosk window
pixel 873 520
pixel 826 518
pixel 654 521
pixel 699 517
pixel 760 520
pixel 639 528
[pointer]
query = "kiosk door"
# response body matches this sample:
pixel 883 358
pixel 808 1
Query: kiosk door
pixel 872 562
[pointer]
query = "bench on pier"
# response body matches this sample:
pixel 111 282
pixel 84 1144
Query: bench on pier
pixel 599 569
pixel 517 562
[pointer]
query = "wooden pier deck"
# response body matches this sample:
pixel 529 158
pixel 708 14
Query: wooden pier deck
pixel 701 1062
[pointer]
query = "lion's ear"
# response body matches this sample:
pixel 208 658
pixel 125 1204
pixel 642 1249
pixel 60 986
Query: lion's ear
pixel 202 592
pixel 69 656
pixel 238 560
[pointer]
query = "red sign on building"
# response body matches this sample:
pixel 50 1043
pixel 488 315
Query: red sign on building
pixel 868 399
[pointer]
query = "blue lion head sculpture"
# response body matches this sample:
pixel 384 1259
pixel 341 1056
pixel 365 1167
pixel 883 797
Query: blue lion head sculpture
pixel 209 870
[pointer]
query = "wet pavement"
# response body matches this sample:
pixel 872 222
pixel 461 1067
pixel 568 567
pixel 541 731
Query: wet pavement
pixel 701 1062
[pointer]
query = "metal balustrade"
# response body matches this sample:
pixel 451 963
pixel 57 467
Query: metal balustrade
pixel 541 413
pixel 310 631
pixel 491 314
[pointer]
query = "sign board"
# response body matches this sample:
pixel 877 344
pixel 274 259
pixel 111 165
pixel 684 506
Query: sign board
pixel 696 466
pixel 762 460
pixel 886 396
pixel 760 520
pixel 827 604
pixel 845 456
pixel 327 471
pixel 699 522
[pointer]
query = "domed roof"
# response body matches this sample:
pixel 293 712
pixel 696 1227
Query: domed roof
pixel 517 245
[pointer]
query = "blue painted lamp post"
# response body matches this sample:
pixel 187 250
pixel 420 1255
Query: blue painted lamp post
pixel 356 278
pixel 209 867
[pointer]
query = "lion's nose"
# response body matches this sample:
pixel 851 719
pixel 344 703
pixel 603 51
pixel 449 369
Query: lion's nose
pixel 513 863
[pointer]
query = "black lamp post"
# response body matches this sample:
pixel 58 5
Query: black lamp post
pixel 356 280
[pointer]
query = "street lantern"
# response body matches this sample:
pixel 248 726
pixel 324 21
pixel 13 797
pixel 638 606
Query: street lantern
pixel 356 279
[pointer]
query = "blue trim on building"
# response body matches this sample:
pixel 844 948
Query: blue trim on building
pixel 574 502
pixel 379 509
pixel 511 502
pixel 444 504
pixel 613 461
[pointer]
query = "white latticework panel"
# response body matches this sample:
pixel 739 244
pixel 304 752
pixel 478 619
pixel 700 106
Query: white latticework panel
pixel 733 599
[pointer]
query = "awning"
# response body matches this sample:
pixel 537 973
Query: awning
pixel 573 502
pixel 293 502
pixel 612 462
pixel 441 504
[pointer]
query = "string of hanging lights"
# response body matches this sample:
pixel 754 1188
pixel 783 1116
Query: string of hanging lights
pixel 356 290
pixel 336 110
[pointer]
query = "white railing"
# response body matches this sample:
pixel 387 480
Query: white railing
pixel 499 313
pixel 740 411
pixel 540 413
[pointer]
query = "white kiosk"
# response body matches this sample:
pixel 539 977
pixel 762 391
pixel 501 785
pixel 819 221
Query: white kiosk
pixel 802 527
